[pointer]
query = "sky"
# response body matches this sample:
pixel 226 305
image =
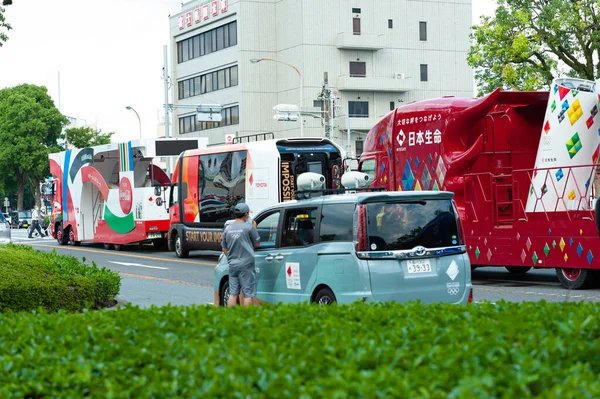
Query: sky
pixel 109 54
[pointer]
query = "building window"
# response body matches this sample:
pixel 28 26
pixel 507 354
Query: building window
pixel 358 109
pixel 392 106
pixel 206 83
pixel 356 26
pixel 356 11
pixel 423 31
pixel 358 69
pixel 423 72
pixel 390 23
pixel 207 42
pixel 189 124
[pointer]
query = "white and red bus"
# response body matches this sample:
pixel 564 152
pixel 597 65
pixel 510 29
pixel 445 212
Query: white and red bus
pixel 209 182
pixel 114 193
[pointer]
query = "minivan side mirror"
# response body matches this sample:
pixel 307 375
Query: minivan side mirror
pixel 157 190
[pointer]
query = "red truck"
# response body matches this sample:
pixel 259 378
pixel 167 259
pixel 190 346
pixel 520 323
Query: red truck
pixel 526 197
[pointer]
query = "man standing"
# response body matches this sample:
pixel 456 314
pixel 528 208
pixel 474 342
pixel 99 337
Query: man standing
pixel 35 222
pixel 238 243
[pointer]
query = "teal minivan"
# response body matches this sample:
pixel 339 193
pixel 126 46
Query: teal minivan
pixel 370 246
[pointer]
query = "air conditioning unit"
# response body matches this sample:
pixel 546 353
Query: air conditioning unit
pixel 399 76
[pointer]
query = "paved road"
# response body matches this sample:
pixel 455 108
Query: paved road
pixel 152 277
pixel 496 283
pixel 149 277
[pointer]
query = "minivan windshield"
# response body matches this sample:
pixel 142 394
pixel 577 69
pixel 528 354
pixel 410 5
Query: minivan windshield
pixel 405 225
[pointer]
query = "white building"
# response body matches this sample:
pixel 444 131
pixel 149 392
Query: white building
pixel 378 54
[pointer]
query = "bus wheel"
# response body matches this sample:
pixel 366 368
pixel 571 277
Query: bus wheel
pixel 60 235
pixel 118 247
pixel 518 269
pixel 72 238
pixel 108 247
pixel 575 279
pixel 180 251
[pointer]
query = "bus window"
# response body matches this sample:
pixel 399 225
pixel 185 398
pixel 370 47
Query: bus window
pixel 221 185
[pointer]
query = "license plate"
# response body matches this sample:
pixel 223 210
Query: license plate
pixel 419 266
pixel 154 235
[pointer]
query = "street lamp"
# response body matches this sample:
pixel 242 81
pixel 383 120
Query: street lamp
pixel 257 60
pixel 139 120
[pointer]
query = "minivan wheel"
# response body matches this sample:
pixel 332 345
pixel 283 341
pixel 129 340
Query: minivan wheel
pixel 224 293
pixel 324 297
pixel 180 251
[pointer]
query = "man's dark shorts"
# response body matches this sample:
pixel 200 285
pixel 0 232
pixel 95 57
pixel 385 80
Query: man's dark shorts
pixel 244 278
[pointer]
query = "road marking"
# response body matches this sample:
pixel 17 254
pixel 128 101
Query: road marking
pixel 166 280
pixel 138 265
pixel 96 251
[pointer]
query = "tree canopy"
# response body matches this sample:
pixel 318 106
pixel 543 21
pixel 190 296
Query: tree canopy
pixel 529 42
pixel 30 125
pixel 4 27
pixel 82 137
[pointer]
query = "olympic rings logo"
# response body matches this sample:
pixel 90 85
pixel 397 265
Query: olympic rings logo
pixel 453 291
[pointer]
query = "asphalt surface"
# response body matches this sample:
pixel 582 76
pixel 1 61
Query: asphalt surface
pixel 152 277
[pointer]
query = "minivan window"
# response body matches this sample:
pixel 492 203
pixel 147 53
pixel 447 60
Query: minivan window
pixel 298 227
pixel 405 225
pixel 267 230
pixel 336 222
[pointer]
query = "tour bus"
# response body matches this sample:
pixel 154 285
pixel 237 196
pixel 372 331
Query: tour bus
pixel 209 182
pixel 114 194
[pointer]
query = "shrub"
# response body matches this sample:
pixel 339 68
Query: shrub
pixel 409 350
pixel 30 279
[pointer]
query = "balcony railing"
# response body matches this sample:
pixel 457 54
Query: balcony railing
pixel 352 41
pixel 355 82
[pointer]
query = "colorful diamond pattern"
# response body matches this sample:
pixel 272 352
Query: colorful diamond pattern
pixel 546 249
pixel 528 244
pixel 562 244
pixel 572 195
pixel 547 127
pixel 485 241
pixel 553 106
pixel 435 186
pixel 518 236
pixel 554 244
pixel 523 256
pixel 426 179
pixel 477 253
pixel 571 242
pixel 417 162
pixel 489 254
pixel 590 257
pixel 534 258
pixel 440 171
pixel 559 174
pixel 573 145
pixel 418 186
pixel 566 257
pixel 407 177
pixel 579 250
pixel 595 154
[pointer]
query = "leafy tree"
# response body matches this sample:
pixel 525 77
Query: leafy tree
pixel 30 125
pixel 3 26
pixel 528 42
pixel 81 137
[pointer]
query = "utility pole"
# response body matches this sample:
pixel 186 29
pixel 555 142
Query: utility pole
pixel 328 99
pixel 166 77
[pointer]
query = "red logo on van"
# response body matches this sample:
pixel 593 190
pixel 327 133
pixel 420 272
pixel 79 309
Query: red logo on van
pixel 125 195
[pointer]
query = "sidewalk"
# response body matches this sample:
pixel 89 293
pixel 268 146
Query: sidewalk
pixel 19 236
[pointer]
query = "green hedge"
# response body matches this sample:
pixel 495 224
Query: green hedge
pixel 30 279
pixel 509 350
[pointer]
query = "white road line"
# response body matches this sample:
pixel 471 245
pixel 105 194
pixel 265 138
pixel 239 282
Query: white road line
pixel 138 265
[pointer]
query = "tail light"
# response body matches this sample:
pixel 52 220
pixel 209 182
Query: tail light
pixel 361 228
pixel 461 233
pixel 470 296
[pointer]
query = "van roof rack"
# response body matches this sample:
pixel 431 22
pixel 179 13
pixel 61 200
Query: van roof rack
pixel 307 194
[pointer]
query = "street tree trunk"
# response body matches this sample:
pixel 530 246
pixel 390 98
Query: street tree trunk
pixel 20 190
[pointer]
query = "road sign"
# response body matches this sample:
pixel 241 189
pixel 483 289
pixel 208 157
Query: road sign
pixel 209 113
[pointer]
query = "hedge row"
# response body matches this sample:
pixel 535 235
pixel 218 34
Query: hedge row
pixel 30 279
pixel 547 350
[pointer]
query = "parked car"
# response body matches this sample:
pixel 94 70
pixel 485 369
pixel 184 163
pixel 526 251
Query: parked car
pixel 4 230
pixel 372 246
pixel 8 218
pixel 24 219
